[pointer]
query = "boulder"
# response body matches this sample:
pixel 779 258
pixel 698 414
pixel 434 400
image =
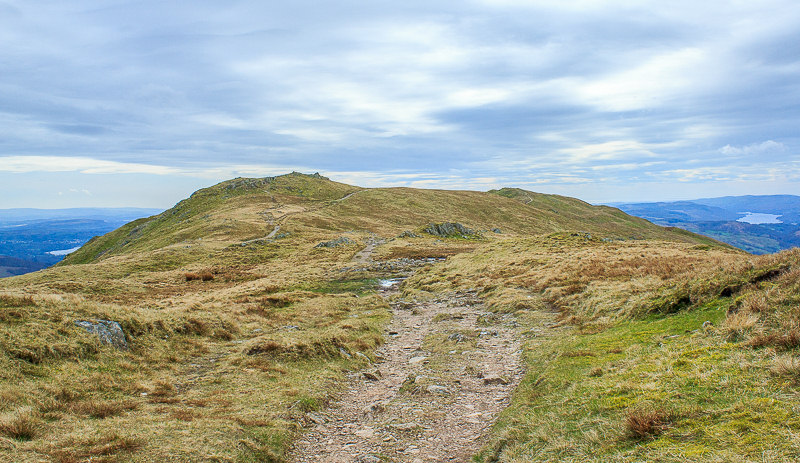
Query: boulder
pixel 107 331
pixel 448 229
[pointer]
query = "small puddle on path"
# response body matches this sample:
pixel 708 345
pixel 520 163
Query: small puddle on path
pixel 390 283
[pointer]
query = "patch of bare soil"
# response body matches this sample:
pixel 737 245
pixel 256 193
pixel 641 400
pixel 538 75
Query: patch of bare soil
pixel 447 369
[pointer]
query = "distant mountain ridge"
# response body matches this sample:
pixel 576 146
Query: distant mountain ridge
pixel 721 219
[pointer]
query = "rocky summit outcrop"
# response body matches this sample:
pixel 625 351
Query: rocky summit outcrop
pixel 108 332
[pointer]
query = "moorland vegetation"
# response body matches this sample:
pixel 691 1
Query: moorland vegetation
pixel 641 342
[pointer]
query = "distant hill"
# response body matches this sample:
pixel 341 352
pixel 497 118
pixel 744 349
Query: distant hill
pixel 726 219
pixel 42 237
pixel 11 266
pixel 246 209
pixel 787 206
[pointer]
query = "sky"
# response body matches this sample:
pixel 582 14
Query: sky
pixel 139 103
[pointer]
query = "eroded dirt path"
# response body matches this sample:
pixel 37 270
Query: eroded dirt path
pixel 364 256
pixel 447 369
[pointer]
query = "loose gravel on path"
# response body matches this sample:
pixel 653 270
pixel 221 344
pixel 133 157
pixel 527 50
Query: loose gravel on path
pixel 447 369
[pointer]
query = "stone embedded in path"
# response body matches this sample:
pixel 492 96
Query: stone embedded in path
pixel 436 389
pixel 374 375
pixel 406 426
pixel 368 459
pixel 316 418
pixel 376 407
pixel 417 360
pixel 366 433
pixel 494 379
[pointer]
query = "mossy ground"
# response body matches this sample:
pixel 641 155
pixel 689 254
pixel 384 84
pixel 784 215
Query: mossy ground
pixel 724 403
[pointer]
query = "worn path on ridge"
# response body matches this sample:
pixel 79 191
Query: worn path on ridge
pixel 446 370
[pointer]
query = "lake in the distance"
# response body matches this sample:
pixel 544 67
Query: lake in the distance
pixel 63 252
pixel 757 218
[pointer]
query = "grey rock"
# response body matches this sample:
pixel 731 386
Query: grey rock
pixel 448 229
pixel 436 389
pixel 107 331
pixel 457 337
pixel 335 243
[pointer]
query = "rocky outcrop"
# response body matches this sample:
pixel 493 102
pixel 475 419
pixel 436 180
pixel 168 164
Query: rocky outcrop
pixel 335 243
pixel 448 230
pixel 107 331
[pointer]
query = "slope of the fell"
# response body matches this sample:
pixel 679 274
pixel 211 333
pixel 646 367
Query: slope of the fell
pixel 656 351
pixel 234 210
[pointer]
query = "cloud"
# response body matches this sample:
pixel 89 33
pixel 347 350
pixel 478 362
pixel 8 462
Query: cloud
pixel 769 146
pixel 610 151
pixel 24 164
pixel 446 94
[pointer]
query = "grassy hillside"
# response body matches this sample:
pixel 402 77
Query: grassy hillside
pixel 655 352
pixel 239 325
pixel 243 209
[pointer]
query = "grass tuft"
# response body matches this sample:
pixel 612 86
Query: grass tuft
pixel 788 340
pixel 738 324
pixel 101 409
pixel 787 366
pixel 647 424
pixel 22 426
pixel 9 300
pixel 202 276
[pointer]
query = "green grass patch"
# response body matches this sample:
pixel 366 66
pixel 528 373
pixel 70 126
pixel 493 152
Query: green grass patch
pixel 708 400
pixel 356 286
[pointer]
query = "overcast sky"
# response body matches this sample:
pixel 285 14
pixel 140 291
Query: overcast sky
pixel 139 103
